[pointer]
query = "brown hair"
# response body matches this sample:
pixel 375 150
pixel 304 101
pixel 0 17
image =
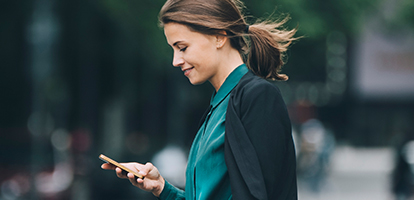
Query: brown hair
pixel 261 44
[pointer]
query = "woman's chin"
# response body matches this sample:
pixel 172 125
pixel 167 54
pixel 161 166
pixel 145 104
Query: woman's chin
pixel 196 82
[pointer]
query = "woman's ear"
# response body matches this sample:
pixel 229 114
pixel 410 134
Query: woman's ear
pixel 221 39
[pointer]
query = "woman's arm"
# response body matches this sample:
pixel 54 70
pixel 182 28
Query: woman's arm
pixel 259 149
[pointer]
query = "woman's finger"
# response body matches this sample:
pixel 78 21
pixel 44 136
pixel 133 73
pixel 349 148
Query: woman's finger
pixel 132 179
pixel 146 170
pixel 121 173
pixel 108 166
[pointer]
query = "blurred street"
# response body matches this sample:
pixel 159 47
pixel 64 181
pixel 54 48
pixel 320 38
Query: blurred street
pixel 357 174
pixel 80 78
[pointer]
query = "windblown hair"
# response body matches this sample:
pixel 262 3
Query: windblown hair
pixel 262 44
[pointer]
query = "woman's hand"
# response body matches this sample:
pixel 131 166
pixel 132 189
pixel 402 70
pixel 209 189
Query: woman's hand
pixel 152 181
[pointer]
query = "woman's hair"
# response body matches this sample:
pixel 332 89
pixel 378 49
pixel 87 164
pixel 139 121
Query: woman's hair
pixel 262 44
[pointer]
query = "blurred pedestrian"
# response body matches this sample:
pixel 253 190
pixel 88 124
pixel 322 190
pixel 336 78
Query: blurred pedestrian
pixel 317 145
pixel 403 173
pixel 244 147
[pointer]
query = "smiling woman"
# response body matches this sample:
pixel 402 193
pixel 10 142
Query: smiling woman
pixel 202 57
pixel 243 148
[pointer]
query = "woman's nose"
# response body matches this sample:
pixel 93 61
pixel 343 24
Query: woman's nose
pixel 177 60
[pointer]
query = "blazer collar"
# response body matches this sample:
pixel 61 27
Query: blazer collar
pixel 231 81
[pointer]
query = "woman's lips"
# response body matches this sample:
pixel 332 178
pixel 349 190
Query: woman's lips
pixel 187 71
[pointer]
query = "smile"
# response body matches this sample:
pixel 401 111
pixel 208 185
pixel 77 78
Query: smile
pixel 187 71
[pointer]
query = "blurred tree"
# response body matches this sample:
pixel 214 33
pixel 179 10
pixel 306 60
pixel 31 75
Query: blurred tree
pixel 398 15
pixel 315 20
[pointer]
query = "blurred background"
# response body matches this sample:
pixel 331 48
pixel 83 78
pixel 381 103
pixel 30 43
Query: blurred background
pixel 84 77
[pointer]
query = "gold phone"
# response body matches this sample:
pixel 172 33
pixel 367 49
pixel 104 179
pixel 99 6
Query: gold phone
pixel 108 160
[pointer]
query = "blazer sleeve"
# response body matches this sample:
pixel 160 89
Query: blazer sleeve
pixel 259 149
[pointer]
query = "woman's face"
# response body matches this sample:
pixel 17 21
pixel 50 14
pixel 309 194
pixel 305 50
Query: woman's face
pixel 196 54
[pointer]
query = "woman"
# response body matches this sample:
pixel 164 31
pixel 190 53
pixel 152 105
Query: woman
pixel 244 147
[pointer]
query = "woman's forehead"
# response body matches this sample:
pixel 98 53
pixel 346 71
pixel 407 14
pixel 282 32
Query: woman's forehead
pixel 178 33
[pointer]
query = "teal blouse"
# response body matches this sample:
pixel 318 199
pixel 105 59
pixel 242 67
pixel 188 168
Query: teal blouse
pixel 206 175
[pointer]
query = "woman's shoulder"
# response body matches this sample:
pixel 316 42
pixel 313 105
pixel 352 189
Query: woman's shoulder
pixel 251 84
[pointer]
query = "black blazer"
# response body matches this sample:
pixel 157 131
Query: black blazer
pixel 259 149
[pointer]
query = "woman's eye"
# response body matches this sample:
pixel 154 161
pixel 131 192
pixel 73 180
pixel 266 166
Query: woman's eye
pixel 183 49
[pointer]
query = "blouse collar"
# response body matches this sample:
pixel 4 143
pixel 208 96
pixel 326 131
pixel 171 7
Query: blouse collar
pixel 231 81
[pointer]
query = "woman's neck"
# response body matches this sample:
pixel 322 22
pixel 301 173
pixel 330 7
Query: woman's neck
pixel 231 59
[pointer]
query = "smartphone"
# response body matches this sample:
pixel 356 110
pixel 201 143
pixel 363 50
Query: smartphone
pixel 108 160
